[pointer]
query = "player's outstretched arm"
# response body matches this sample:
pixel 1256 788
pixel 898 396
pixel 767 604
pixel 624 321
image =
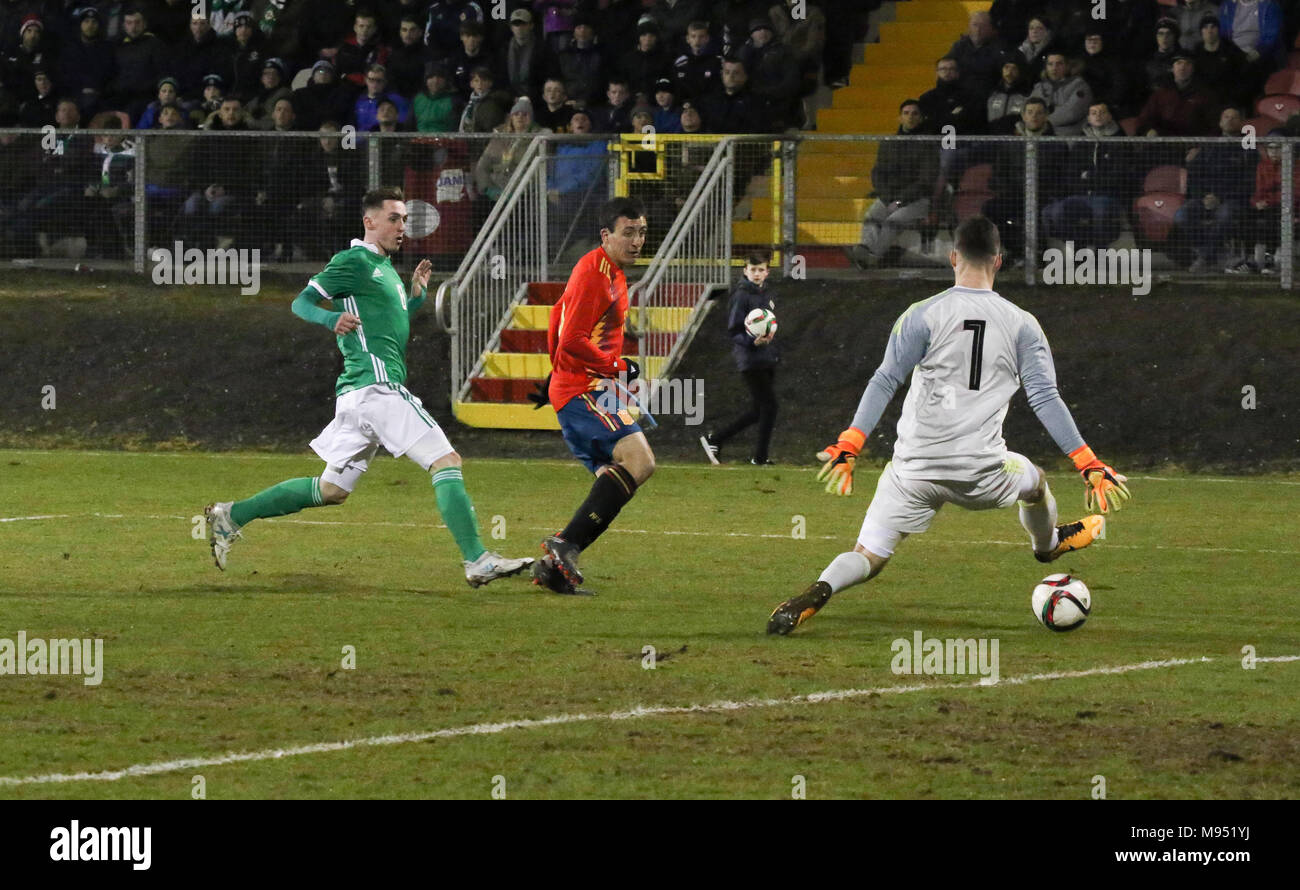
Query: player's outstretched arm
pixel 1104 489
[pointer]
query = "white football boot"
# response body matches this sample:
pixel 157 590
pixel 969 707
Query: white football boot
pixel 222 532
pixel 491 566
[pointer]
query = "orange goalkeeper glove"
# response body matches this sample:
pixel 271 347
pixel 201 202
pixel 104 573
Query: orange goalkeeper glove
pixel 838 459
pixel 1104 488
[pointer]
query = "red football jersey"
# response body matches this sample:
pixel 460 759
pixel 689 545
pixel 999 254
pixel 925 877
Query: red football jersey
pixel 585 337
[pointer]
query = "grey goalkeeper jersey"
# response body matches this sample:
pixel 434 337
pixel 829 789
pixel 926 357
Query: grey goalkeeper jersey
pixel 968 351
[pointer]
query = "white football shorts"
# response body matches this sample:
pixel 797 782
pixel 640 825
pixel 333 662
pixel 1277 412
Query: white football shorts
pixel 904 507
pixel 376 415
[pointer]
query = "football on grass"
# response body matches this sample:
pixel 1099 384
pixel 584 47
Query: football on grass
pixel 760 323
pixel 1061 602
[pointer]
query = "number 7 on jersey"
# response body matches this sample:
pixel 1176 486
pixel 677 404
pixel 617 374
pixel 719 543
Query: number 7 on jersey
pixel 976 327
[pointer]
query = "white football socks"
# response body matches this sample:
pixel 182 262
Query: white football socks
pixel 846 570
pixel 1040 521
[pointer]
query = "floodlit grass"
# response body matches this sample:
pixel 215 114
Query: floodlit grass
pixel 199 664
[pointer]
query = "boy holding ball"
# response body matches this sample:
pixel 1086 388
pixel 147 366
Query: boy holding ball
pixel 755 357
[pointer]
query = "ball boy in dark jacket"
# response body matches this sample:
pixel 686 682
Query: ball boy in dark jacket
pixel 756 359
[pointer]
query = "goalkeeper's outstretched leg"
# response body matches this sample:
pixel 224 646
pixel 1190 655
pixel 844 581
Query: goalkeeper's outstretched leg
pixel 1049 540
pixel 845 570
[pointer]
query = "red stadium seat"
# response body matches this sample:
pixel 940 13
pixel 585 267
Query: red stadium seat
pixel 1283 83
pixel 968 204
pixel 1155 216
pixel 976 178
pixel 1166 178
pixel 1279 108
pixel 1129 126
pixel 1263 125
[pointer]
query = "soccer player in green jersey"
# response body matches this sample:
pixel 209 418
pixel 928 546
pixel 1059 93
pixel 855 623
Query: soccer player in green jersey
pixel 373 407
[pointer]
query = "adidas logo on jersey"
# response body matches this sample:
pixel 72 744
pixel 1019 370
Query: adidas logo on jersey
pixel 378 273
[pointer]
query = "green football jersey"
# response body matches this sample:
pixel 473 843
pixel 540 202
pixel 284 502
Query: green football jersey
pixel 363 281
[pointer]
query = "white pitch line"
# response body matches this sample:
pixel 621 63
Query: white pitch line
pixel 644 531
pixel 635 713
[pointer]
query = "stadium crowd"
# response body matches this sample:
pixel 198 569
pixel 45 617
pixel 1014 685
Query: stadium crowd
pixel 1190 68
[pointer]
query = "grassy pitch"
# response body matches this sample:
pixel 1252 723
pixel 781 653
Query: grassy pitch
pixel 199 665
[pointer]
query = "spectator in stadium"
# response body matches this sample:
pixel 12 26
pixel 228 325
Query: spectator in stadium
pixel 697 71
pixel 1036 46
pixel 442 28
pixel 1099 184
pixel 39 110
pixel 1107 74
pixel 647 62
pixel 242 54
pixel 209 101
pixel 437 107
pixel 615 116
pixel 732 107
pixel 487 107
pixel 667 115
pixel 168 94
pixel 555 109
pixel 576 180
pixel 582 64
pixel 1167 46
pixel 361 50
pixel 1257 28
pixel 1190 15
pixel 503 153
pixel 168 171
pixel 1221 64
pixel 675 16
pixel 56 184
pixel 336 182
pixel 196 56
pixel 406 60
pixel 1183 108
pixel 284 180
pixel 526 59
pixel 951 104
pixel 692 122
pixel 109 195
pixel 979 55
pixel 367 104
pixel 86 65
pixel 1220 178
pixel 324 98
pixel 806 37
pixel 34 52
pixel 774 75
pixel 1263 217
pixel 224 173
pixel 903 182
pixel 1068 97
pixel 275 77
pixel 140 63
pixel 1007 98
pixel 1007 208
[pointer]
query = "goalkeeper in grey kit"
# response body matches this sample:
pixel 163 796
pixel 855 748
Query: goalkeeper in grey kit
pixel 967 350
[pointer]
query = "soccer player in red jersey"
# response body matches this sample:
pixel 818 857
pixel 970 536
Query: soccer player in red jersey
pixel 586 345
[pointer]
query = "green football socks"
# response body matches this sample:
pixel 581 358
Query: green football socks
pixel 287 497
pixel 458 511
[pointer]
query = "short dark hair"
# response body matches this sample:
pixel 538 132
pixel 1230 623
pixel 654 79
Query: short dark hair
pixel 758 256
pixel 907 102
pixel 375 198
pixel 697 26
pixel 611 210
pixel 1034 100
pixel 977 240
pixel 471 27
